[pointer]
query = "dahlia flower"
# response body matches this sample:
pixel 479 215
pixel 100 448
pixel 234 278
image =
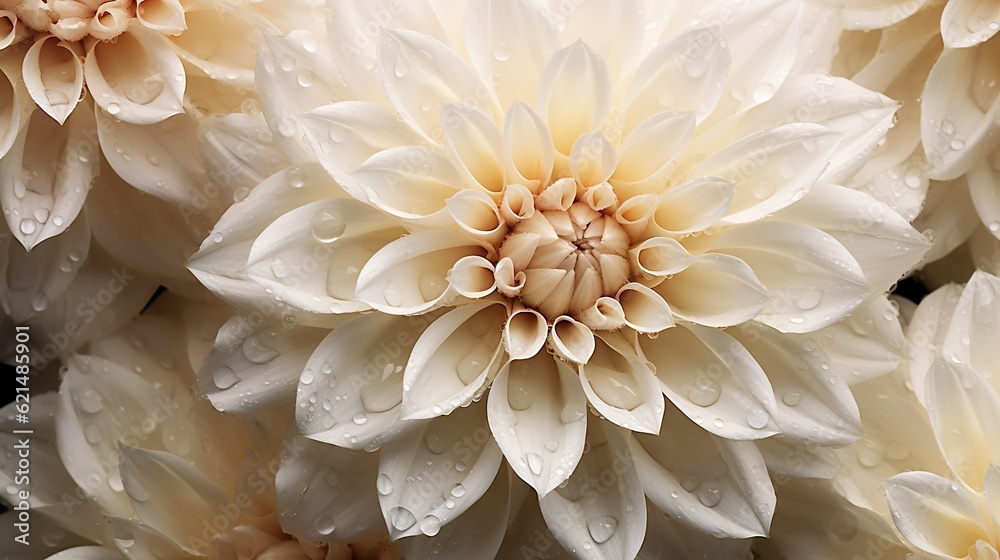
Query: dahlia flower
pixel 621 226
pixel 134 467
pixel 122 77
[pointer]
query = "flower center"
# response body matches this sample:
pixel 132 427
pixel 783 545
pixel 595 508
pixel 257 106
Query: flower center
pixel 569 258
pixel 74 20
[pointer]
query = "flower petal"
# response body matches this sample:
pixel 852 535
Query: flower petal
pixel 476 142
pixel 934 514
pixel 410 182
pixel 599 525
pixel 973 331
pixel 427 480
pixel 686 72
pixel 524 334
pixel 827 283
pixel 692 207
pixel 613 28
pixel 453 359
pixel 644 310
pixel 623 389
pixel 983 179
pixel 221 41
pixel 667 538
pixel 252 369
pixel 967 23
pixel 959 109
pixel 659 257
pixel 715 290
pixel 145 96
pixel 814 406
pixel 927 331
pixel 574 94
pixel 419 73
pixel 239 151
pixel 649 150
pixel 345 509
pixel 571 340
pixel 538 412
pixel 964 412
pixel 882 241
pixel 364 358
pixel 706 374
pixel 592 159
pixel 10 111
pixel 771 168
pixel 711 484
pixel 163 16
pixel 53 75
pixel 529 145
pixel 867 15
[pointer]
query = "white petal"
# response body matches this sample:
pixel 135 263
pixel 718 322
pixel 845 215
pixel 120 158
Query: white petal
pixel 882 241
pixel 571 340
pixel 342 504
pixel 312 256
pixel 692 207
pixel 159 483
pixel 713 380
pixel 992 484
pixel 599 525
pixel 538 415
pixel 966 23
pixel 147 96
pixel 771 168
pixel 409 182
pixel 475 213
pixel 687 72
pixel 659 256
pixel 509 42
pixel 480 530
pixel 959 109
pixel 528 530
pixel 644 310
pixel 867 343
pixel 518 204
pixel 714 485
pixel 46 175
pixel 648 150
pixel 419 73
pixel 592 159
pixel 613 28
pixel 867 15
pixel 974 327
pixel 364 359
pixel 409 275
pixel 222 42
pixel 160 159
pixel 164 16
pixel 529 145
pixel 31 282
pixel 524 334
pixel 983 179
pixel 453 359
pixel 239 151
pixel 87 553
pixel 964 412
pixel 574 94
pixel 53 75
pixel 427 480
pixel 473 277
pixel 775 249
pixel 934 514
pixel 927 330
pixel 666 538
pixel 477 144
pixel 250 369
pixel 815 406
pixel 606 314
pixel 634 214
pixel 792 459
pixel 715 290
pixel 622 389
pixel 10 112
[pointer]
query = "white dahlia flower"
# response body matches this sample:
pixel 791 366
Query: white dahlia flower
pixel 623 222
pixel 131 466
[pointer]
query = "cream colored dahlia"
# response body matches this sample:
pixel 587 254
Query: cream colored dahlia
pixel 129 465
pixel 622 222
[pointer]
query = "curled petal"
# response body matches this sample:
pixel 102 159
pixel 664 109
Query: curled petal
pixel 164 16
pixel 410 182
pixel 109 21
pixel 692 207
pixel 716 291
pixel 477 145
pixel 11 31
pixel 408 275
pixel 477 214
pixel 145 96
pixel 53 75
pixel 592 159
pixel 524 334
pixel 473 277
pixel 574 94
pixel 572 340
pixel 529 145
pixel 509 282
pixel 600 198
pixel 606 314
pixel 538 415
pixel 10 112
pixel 623 389
pixel 645 311
pixel 453 359
pixel 967 23
pixel 934 514
pixel 518 204
pixel 659 256
pixel 557 196
pixel 634 214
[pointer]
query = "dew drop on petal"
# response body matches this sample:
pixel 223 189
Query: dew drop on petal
pixel 602 528
pixel 360 418
pixel 436 443
pixel 258 352
pixel 328 225
pixel 325 524
pixel 705 392
pixel 383 484
pixel 401 518
pixel 430 525
pixel 225 377
pixel 534 463
pixel 710 497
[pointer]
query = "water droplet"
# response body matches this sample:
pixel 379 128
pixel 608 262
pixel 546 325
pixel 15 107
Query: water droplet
pixel 39 303
pixel 401 68
pixel 534 463
pixel 458 491
pixel 602 528
pixel 383 484
pixel 957 144
pixel 430 525
pixel 758 418
pixel 360 418
pixel 705 392
pixel 435 442
pixel 41 214
pixel 225 377
pixel 93 434
pixel 258 352
pixel 91 402
pixel 791 398
pixel 431 285
pixel 279 268
pixel 393 295
pixel 325 524
pixel 762 93
pixel 114 108
pixel 123 536
pixel 552 445
pixel 328 225
pixel 28 226
pixel 401 518
pixel 690 482
pixel 709 496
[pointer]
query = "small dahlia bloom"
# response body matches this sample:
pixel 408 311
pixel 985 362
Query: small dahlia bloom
pixel 619 228
pixel 132 466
